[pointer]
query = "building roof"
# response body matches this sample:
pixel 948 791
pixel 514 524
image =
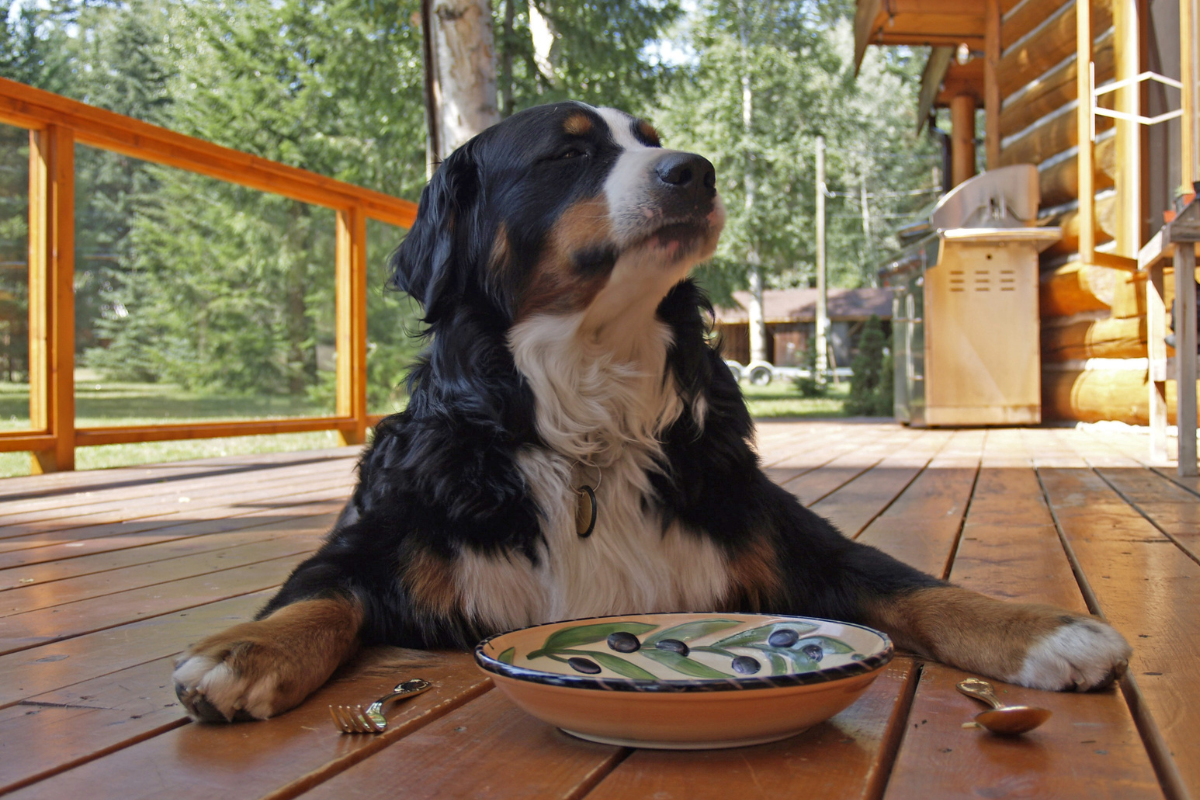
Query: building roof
pixel 800 305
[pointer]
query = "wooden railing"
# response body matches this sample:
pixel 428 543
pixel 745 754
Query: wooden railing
pixel 55 124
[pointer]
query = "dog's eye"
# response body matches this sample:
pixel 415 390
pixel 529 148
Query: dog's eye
pixel 570 152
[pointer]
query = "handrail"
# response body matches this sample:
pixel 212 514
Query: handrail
pixel 56 123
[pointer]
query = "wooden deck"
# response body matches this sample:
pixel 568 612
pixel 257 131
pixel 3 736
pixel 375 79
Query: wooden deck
pixel 105 576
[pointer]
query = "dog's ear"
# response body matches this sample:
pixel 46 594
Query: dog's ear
pixel 435 262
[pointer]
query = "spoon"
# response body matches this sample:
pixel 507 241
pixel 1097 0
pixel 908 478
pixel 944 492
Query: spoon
pixel 1002 719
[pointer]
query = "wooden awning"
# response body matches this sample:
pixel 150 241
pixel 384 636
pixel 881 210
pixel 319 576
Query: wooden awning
pixel 927 23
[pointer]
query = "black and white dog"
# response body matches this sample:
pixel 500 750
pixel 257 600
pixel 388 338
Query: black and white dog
pixel 567 348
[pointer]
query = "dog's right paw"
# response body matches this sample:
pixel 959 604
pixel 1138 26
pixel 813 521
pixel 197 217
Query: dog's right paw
pixel 221 680
pixel 259 669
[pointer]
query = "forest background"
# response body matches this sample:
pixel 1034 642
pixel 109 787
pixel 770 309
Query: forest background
pixel 186 281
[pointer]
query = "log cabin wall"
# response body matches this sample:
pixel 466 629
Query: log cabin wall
pixel 1094 355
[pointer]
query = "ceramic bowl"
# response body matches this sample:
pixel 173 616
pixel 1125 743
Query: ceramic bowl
pixel 685 681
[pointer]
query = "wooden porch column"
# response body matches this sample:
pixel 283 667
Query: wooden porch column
pixel 1187 76
pixel 52 294
pixel 991 83
pixel 1129 134
pixel 1083 121
pixel 962 138
pixel 350 278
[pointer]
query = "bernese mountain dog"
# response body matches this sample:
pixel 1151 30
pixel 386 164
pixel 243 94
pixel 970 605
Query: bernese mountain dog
pixel 575 447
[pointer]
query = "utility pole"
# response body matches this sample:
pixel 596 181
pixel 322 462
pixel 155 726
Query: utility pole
pixel 822 310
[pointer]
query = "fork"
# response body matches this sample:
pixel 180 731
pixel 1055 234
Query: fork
pixel 356 719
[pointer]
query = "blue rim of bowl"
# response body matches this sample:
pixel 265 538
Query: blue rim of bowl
pixel 825 675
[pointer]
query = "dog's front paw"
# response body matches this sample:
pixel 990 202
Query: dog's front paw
pixel 225 678
pixel 259 669
pixel 1081 654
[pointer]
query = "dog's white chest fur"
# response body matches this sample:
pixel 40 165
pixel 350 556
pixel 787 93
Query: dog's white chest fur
pixel 600 417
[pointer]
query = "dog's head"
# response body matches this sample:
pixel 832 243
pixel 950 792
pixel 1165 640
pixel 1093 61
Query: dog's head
pixel 560 209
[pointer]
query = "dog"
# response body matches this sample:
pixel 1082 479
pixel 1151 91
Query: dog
pixel 574 446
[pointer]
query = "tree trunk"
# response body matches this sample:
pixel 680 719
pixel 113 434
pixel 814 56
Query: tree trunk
pixel 758 327
pixel 506 59
pixel 462 51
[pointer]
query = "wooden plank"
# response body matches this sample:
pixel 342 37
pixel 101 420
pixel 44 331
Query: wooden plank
pixel 280 757
pixel 350 301
pixel 104 538
pixel 1085 131
pixel 865 14
pixel 922 527
pixel 847 756
pixel 1050 138
pixel 1187 101
pixel 71 661
pixel 818 483
pixel 487 748
pixel 992 47
pixel 854 506
pixel 131 503
pixel 301 538
pixel 52 295
pixel 1060 183
pixel 38 575
pixel 1027 16
pixel 34 534
pixel 1049 43
pixel 132 434
pixel 35 629
pixel 1090 747
pixel 54 731
pixel 1094 338
pixel 1149 589
pixel 1167 506
pixel 30 487
pixel 100 128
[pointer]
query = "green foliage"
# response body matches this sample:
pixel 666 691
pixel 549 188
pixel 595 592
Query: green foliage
pixel 191 282
pixel 809 385
pixel 871 385
pixel 797 62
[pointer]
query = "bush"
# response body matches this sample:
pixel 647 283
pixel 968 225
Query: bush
pixel 871 385
pixel 810 386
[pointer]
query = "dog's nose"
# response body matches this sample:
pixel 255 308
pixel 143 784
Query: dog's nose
pixel 689 172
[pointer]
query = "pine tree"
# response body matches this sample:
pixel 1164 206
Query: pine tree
pixel 870 386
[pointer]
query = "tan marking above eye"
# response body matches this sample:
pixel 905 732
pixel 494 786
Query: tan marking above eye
pixel 648 133
pixel 578 124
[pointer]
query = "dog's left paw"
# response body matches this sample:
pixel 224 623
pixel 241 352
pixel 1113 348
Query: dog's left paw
pixel 1080 655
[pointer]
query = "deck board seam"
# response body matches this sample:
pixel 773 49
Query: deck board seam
pixel 1169 777
pixel 176 610
pixel 338 765
pixel 889 748
pixel 1134 505
pixel 883 510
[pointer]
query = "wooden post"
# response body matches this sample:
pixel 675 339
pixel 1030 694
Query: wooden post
pixel 962 138
pixel 350 278
pixel 1187 76
pixel 1083 121
pixel 1126 56
pixel 52 294
pixel 1156 346
pixel 822 322
pixel 1185 355
pixel 991 83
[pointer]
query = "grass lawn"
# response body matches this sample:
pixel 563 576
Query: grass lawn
pixel 101 403
pixel 782 399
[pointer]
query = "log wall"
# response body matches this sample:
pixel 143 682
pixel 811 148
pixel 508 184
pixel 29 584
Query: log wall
pixel 1093 317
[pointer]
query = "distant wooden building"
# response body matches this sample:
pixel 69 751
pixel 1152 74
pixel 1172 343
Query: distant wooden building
pixel 790 316
pixel 1020 61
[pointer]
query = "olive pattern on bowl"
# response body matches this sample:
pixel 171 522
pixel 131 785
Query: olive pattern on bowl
pixel 781 648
